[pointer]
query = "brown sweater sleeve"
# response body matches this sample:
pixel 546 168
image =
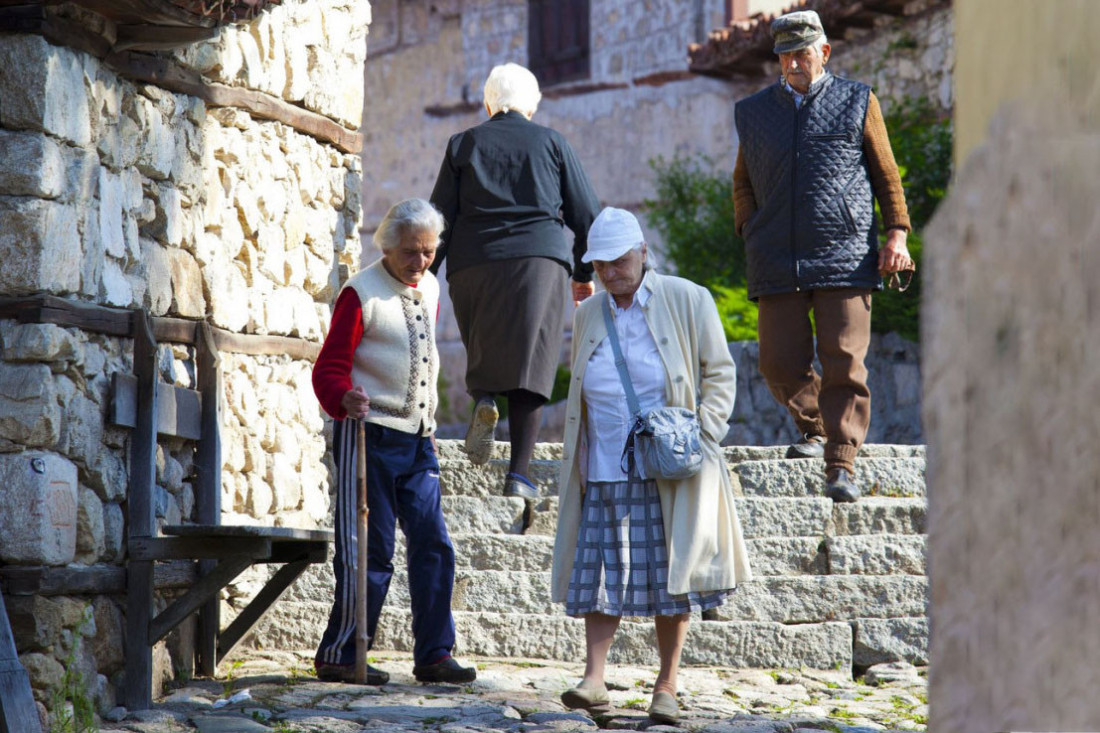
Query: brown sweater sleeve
pixel 885 178
pixel 744 200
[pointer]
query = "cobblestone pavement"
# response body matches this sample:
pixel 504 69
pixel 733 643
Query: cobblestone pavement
pixel 277 692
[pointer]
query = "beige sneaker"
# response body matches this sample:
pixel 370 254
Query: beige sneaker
pixel 479 436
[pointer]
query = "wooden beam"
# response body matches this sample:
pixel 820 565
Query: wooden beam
pixel 207 587
pixel 159 37
pixel 181 331
pixel 179 412
pixel 252 613
pixel 143 472
pixel 18 713
pixel 76 580
pixel 52 309
pixel 208 491
pixel 180 548
pixel 170 76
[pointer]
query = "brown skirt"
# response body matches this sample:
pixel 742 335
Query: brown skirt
pixel 511 314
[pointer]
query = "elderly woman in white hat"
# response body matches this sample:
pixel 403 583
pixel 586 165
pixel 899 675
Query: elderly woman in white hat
pixel 627 546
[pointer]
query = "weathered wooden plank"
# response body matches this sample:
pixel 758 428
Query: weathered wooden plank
pixel 172 77
pixel 89 580
pixel 208 492
pixel 160 12
pixel 179 410
pixel 70 313
pixel 255 345
pixel 139 582
pixel 207 588
pixel 276 534
pixel 252 613
pixel 18 713
pixel 159 37
pixel 182 548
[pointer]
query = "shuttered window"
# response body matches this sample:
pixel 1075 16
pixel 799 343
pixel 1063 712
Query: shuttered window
pixel 557 40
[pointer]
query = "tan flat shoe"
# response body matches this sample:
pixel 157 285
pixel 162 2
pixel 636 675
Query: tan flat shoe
pixel 664 708
pixel 592 699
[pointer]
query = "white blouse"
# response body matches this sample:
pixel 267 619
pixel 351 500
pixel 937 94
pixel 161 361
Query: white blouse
pixel 608 414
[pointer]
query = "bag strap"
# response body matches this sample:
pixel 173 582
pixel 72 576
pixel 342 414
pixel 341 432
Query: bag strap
pixel 620 361
pixel 627 460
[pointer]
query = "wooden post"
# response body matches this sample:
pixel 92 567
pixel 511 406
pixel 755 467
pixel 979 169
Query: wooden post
pixel 18 713
pixel 208 468
pixel 362 638
pixel 142 519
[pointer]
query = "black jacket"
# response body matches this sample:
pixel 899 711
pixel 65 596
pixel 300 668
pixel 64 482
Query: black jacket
pixel 815 221
pixel 506 188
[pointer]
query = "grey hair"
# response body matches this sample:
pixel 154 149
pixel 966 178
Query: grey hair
pixel 512 87
pixel 819 44
pixel 410 215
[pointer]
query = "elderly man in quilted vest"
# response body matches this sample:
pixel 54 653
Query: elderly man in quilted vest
pixel 813 157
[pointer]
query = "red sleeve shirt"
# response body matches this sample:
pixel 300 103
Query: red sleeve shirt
pixel 332 372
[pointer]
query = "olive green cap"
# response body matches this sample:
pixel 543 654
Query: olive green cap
pixel 796 30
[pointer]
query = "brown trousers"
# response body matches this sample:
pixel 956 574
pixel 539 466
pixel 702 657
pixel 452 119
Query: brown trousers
pixel 836 404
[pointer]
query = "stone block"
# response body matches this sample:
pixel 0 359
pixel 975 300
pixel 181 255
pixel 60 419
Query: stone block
pixel 875 476
pixel 458 477
pixel 811 599
pixel 90 533
pixel 42 342
pixel 876 555
pixel 787 556
pixel 880 640
pixel 29 413
pixel 40 247
pixel 115 288
pixel 44 89
pixel 189 300
pixel 876 515
pixel 498 514
pixel 114 532
pixel 32 165
pixel 38 509
pixel 158 276
pixel 45 674
pixel 783 517
pixel 513 552
pixel 37 622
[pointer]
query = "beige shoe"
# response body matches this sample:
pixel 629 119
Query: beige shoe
pixel 479 436
pixel 664 708
pixel 592 699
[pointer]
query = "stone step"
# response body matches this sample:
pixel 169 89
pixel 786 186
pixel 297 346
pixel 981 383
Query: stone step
pixel 876 555
pixel 453 449
pixel 739 644
pixel 760 517
pixel 891 477
pixel 778 477
pixel 534 553
pixel 785 599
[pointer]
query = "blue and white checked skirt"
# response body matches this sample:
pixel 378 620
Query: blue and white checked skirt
pixel 621 564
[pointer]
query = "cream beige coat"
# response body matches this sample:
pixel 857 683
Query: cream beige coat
pixel 705 547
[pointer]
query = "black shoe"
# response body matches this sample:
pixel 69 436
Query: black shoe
pixel 346 673
pixel 516 485
pixel 839 486
pixel 811 446
pixel 448 671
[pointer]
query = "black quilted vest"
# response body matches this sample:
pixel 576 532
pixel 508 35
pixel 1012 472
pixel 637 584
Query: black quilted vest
pixel 814 226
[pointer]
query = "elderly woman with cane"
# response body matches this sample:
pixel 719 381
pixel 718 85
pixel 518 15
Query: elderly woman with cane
pixel 628 545
pixel 377 372
pixel 507 188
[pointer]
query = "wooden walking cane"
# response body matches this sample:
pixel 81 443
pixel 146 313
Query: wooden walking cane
pixel 362 639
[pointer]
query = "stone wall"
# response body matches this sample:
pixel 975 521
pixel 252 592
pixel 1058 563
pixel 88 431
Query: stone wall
pixel 894 379
pixel 126 194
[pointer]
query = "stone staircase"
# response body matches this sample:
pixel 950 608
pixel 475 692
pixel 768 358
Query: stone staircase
pixel 837 586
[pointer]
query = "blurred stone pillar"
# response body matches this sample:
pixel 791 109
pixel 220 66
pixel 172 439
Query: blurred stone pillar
pixel 1011 320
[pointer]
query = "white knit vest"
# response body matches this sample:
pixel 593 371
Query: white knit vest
pixel 396 363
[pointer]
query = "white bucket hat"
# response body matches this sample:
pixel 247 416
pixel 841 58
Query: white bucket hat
pixel 614 233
